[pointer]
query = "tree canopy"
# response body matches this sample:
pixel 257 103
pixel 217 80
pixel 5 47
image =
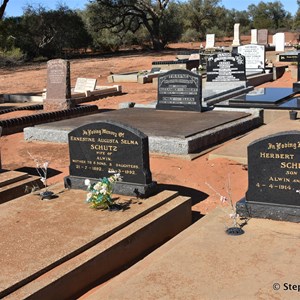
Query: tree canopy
pixel 107 25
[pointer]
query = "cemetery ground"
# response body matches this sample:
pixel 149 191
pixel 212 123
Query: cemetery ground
pixel 188 177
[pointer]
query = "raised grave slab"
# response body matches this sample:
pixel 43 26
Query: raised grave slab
pixel 14 184
pixel 180 132
pixel 261 98
pixel 64 240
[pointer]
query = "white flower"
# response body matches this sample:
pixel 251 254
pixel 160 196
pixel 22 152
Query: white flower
pixel 87 182
pixel 97 186
pixel 103 191
pixel 117 176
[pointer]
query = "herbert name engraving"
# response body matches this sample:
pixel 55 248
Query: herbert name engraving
pixel 274 168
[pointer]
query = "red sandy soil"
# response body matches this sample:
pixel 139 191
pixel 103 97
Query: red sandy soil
pixel 189 177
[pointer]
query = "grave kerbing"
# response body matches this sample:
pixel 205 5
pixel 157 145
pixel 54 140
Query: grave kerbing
pixel 101 149
pixel 273 178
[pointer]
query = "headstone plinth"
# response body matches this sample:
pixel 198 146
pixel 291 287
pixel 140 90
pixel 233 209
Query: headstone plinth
pixel 58 86
pixel 102 149
pixel 273 178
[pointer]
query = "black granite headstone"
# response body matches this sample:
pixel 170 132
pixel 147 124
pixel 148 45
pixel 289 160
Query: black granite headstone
pixel 273 178
pixel 225 67
pixel 179 90
pixel 101 149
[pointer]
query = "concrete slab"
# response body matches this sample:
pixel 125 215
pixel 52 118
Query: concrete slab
pixel 203 262
pixel 15 184
pixel 38 235
pixel 172 132
pixel 237 149
pixel 118 251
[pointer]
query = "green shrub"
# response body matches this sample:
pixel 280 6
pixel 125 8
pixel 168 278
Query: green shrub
pixel 11 57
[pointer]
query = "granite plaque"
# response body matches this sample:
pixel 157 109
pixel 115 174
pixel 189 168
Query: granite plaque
pixel 262 36
pixel 58 85
pixel 254 56
pixel 225 67
pixel 274 168
pixel 179 90
pixel 85 84
pixel 101 149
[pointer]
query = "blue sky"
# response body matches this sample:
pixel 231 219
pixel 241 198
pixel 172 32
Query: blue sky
pixel 15 7
pixel 289 5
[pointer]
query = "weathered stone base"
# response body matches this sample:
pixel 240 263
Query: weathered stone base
pixel 53 105
pixel 120 188
pixel 268 211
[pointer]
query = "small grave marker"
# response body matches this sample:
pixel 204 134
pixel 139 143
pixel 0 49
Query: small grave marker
pixel 101 149
pixel 85 84
pixel 179 90
pixel 273 178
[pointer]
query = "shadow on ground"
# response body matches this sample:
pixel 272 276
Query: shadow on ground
pixel 32 171
pixel 196 196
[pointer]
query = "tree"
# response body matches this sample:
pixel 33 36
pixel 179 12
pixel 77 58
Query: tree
pixel 2 8
pixel 269 15
pixel 47 33
pixel 130 15
pixel 201 15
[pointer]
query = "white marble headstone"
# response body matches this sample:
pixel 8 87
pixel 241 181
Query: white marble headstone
pixel 253 36
pixel 236 36
pixel 210 41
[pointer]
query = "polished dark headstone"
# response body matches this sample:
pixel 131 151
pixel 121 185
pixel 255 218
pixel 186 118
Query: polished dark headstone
pixel 291 56
pixel 262 97
pixel 273 178
pixel 101 149
pixel 179 90
pixel 225 67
